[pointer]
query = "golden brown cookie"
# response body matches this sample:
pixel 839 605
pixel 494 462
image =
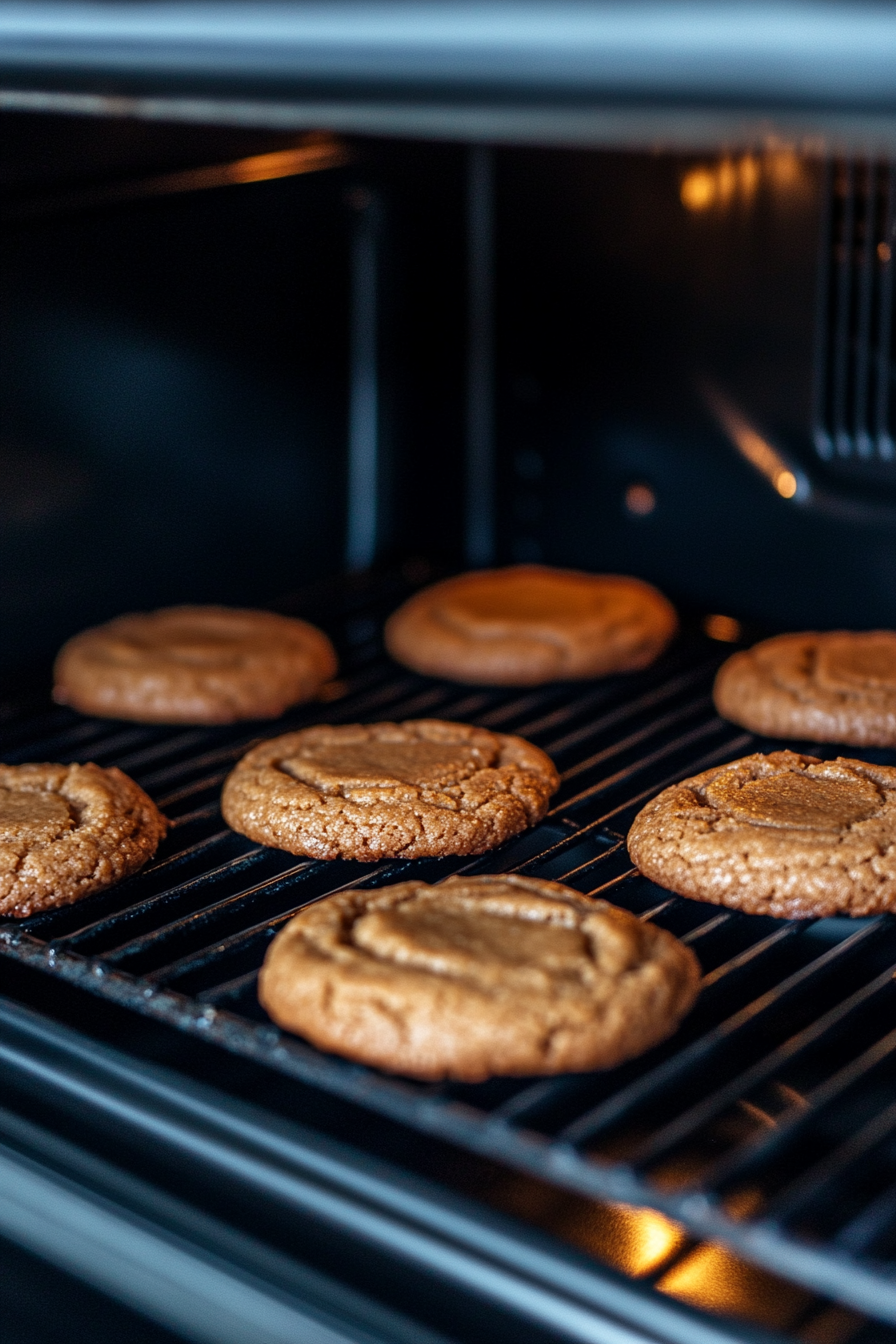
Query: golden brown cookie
pixel 834 687
pixel 69 830
pixel 475 977
pixel 782 834
pixel 388 790
pixel 193 665
pixel 529 624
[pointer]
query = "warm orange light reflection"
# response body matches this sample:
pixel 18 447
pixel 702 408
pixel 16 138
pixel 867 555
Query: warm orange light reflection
pixel 651 1240
pixel 723 628
pixel 715 1280
pixel 635 1241
pixel 720 183
pixel 757 450
pixel 785 167
pixel 698 190
pixel 640 499
pixel 785 484
pixel 316 153
pixel 737 179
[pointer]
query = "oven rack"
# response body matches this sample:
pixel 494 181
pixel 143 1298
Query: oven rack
pixel 767 1122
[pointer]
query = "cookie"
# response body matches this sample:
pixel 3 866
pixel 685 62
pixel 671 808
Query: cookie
pixel 193 665
pixel 529 624
pixel 409 790
pixel 782 834
pixel 475 977
pixel 69 830
pixel 834 687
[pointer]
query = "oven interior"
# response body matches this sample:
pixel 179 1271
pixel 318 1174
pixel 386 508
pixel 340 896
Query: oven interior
pixel 314 372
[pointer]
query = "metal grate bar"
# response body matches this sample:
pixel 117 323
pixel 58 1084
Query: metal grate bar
pixel 814 1102
pixel 649 1085
pixel 697 1116
pixel 681 743
pixel 812 1185
pixel 668 690
pixel 787 930
pixel 202 919
pixel 654 728
pixel 860 1233
pixel 132 909
pixel 103 928
pixel 725 751
pixel 263 929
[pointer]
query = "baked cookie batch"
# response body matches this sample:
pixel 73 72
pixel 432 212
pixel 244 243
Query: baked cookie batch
pixel 474 976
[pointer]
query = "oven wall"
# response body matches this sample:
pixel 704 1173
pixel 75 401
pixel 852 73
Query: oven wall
pixel 171 402
pixel 175 376
pixel 642 300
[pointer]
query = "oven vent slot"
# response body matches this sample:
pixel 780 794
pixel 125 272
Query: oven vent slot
pixel 855 373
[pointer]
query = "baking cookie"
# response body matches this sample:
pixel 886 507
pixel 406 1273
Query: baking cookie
pixel 528 624
pixel 835 687
pixel 409 790
pixel 193 665
pixel 782 834
pixel 475 977
pixel 69 830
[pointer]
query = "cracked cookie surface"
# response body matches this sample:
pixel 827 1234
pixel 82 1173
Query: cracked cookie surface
pixel 413 790
pixel 778 834
pixel 530 624
pixel 477 977
pixel 839 686
pixel 193 665
pixel 69 830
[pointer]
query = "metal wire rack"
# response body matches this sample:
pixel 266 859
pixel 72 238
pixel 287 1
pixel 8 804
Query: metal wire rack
pixel 767 1122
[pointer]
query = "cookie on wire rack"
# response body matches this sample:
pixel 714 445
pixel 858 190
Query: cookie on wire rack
pixel 418 789
pixel 530 624
pixel 477 977
pixel 779 834
pixel 69 830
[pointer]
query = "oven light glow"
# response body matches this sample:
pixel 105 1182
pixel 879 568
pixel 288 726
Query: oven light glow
pixel 737 179
pixel 713 1278
pixel 698 190
pixel 786 484
pixel 635 1240
pixel 723 628
pixel 651 1240
pixel 323 153
pixel 640 499
pixel 789 483
pixel 720 183
pixel 318 152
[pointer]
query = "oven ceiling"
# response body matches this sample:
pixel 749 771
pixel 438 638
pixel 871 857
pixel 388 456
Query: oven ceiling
pixel 822 75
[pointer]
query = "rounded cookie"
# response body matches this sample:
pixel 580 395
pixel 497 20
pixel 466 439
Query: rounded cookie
pixel 782 834
pixel 834 687
pixel 530 624
pixel 69 830
pixel 387 790
pixel 475 977
pixel 193 665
